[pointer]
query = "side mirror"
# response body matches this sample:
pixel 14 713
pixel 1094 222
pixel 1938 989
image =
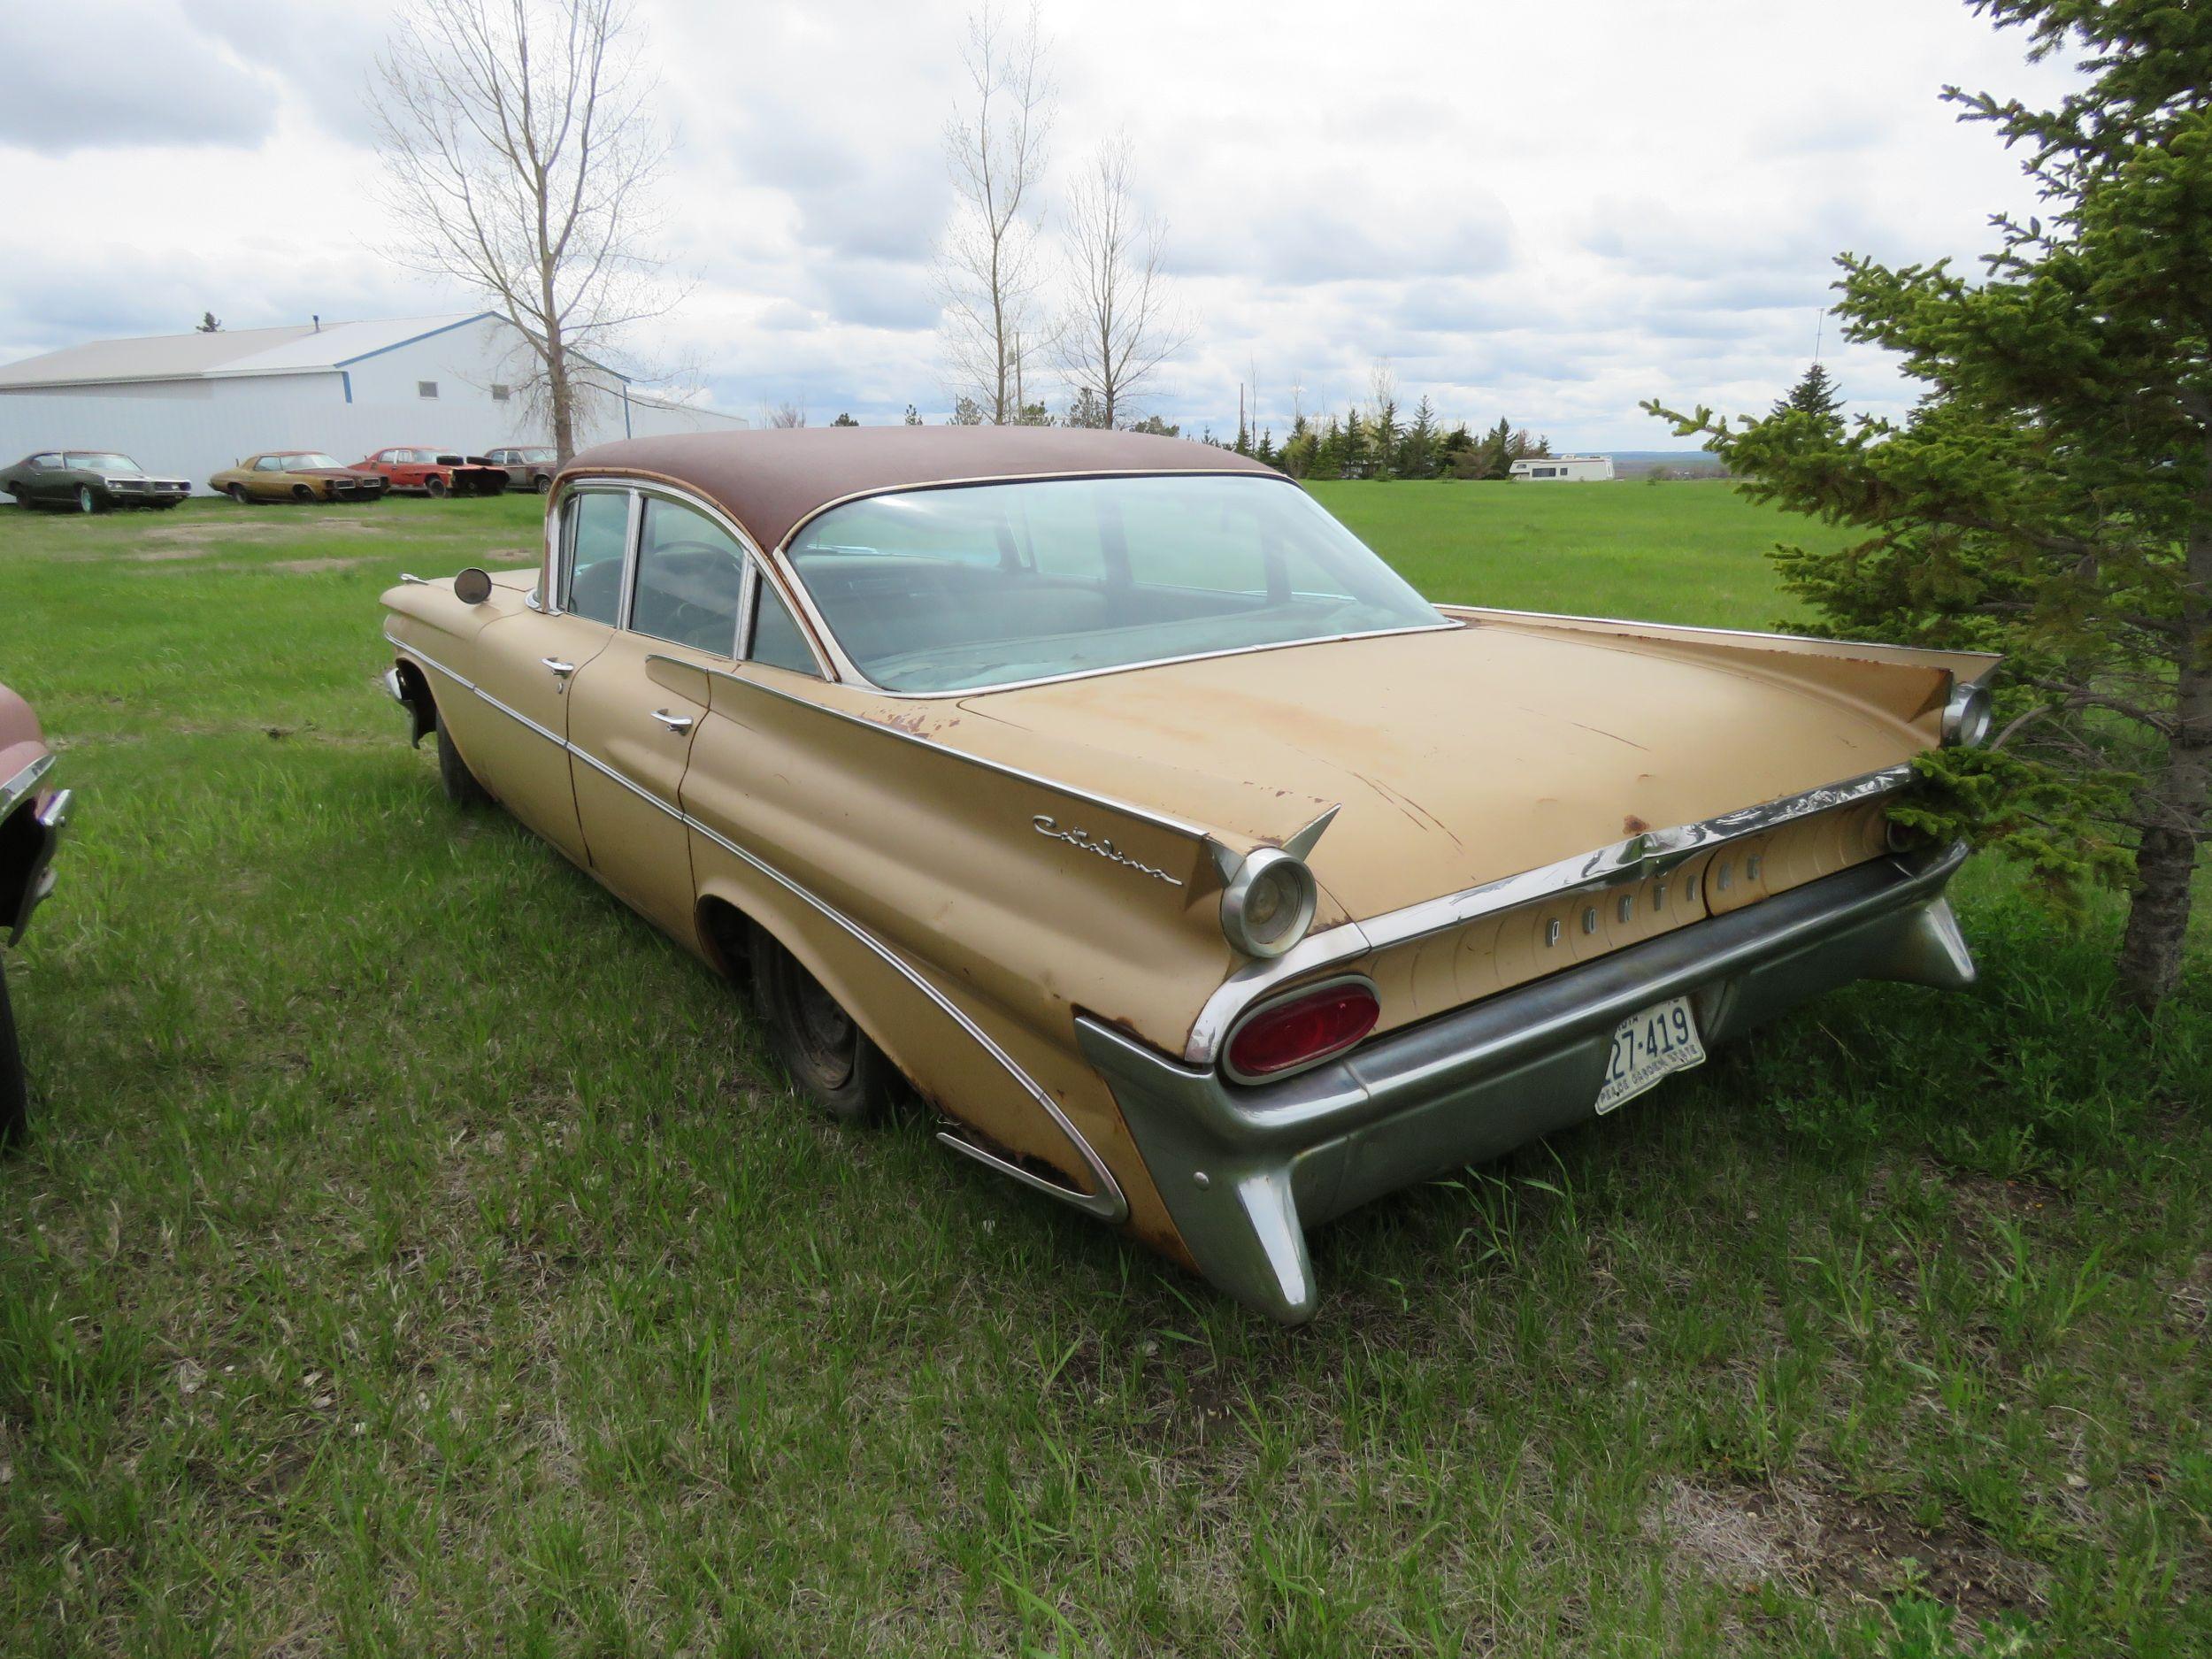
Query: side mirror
pixel 472 586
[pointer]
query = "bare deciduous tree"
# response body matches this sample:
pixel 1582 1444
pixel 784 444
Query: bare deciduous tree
pixel 520 155
pixel 785 415
pixel 987 260
pixel 1124 323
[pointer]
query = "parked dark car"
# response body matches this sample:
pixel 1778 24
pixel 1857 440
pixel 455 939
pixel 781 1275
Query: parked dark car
pixel 31 820
pixel 88 480
pixel 436 472
pixel 528 469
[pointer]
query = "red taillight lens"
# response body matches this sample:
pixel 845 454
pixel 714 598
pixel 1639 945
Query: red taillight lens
pixel 1302 1029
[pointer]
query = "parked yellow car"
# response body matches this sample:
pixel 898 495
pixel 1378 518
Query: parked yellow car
pixel 298 475
pixel 1111 796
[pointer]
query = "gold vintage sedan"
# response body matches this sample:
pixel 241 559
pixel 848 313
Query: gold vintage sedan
pixel 299 475
pixel 1105 791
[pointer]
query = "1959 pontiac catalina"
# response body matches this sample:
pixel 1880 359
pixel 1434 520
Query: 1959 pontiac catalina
pixel 1108 792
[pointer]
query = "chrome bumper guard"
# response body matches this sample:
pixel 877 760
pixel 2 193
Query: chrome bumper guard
pixel 52 818
pixel 1245 1170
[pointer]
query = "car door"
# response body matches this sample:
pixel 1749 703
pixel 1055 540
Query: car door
pixel 48 479
pixel 525 664
pixel 633 708
pixel 268 480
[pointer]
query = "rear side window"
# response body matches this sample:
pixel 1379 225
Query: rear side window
pixel 598 536
pixel 776 641
pixel 690 578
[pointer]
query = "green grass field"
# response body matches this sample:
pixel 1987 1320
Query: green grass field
pixel 415 1253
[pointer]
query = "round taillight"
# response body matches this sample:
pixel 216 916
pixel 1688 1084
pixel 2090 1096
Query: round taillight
pixel 1302 1029
pixel 1269 903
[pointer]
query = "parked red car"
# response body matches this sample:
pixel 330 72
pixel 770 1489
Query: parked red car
pixel 31 820
pixel 436 472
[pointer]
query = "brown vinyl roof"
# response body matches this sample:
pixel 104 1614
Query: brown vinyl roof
pixel 771 480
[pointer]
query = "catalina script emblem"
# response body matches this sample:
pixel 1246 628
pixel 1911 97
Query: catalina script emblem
pixel 1104 847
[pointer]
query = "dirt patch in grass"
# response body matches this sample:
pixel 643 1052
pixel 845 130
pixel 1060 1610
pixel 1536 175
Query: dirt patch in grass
pixel 309 567
pixel 1813 1538
pixel 198 535
pixel 162 556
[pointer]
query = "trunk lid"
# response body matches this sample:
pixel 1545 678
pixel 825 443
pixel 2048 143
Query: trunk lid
pixel 1457 757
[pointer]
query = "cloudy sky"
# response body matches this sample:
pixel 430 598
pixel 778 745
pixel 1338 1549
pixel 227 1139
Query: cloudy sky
pixel 1545 212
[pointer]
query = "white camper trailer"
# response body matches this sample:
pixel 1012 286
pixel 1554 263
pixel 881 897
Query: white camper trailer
pixel 1567 468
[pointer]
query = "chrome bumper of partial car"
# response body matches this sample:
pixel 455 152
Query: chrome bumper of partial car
pixel 423 720
pixel 50 818
pixel 1244 1171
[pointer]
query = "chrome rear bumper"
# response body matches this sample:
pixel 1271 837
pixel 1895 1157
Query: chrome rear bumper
pixel 1244 1171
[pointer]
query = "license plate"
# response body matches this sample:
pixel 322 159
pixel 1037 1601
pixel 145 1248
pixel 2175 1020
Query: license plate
pixel 1646 1047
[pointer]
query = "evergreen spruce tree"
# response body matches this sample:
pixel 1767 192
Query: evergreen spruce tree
pixel 1816 393
pixel 2050 494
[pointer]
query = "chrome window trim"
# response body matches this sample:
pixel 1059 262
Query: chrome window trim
pixel 631 532
pixel 1108 1204
pixel 858 679
pixel 756 562
pixel 1653 853
pixel 23 783
pixel 1990 658
pixel 851 671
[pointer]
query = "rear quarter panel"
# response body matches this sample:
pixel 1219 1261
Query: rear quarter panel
pixel 943 861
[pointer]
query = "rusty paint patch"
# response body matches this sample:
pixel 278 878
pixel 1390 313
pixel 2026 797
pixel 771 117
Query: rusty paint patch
pixel 1633 826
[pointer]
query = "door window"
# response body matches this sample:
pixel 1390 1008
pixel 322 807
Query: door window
pixel 690 578
pixel 598 536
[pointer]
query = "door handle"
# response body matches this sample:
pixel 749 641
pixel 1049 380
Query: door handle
pixel 674 722
pixel 561 670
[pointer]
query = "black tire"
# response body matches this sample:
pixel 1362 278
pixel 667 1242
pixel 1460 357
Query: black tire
pixel 237 492
pixel 89 500
pixel 15 1114
pixel 302 492
pixel 826 1053
pixel 542 482
pixel 461 787
pixel 434 486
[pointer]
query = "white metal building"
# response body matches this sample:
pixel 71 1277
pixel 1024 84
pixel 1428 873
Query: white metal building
pixel 1564 468
pixel 189 405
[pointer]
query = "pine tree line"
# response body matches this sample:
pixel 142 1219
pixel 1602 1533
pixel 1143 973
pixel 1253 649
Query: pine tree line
pixel 1378 442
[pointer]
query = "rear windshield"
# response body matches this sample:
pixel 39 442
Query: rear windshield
pixel 987 585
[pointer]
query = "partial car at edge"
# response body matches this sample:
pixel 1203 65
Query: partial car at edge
pixel 32 817
pixel 1108 794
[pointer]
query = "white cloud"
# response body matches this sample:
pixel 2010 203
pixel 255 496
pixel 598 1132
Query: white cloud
pixel 1546 216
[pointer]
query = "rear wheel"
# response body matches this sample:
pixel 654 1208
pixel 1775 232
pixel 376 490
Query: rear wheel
pixel 433 488
pixel 14 1097
pixel 237 492
pixel 461 787
pixel 827 1055
pixel 542 482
